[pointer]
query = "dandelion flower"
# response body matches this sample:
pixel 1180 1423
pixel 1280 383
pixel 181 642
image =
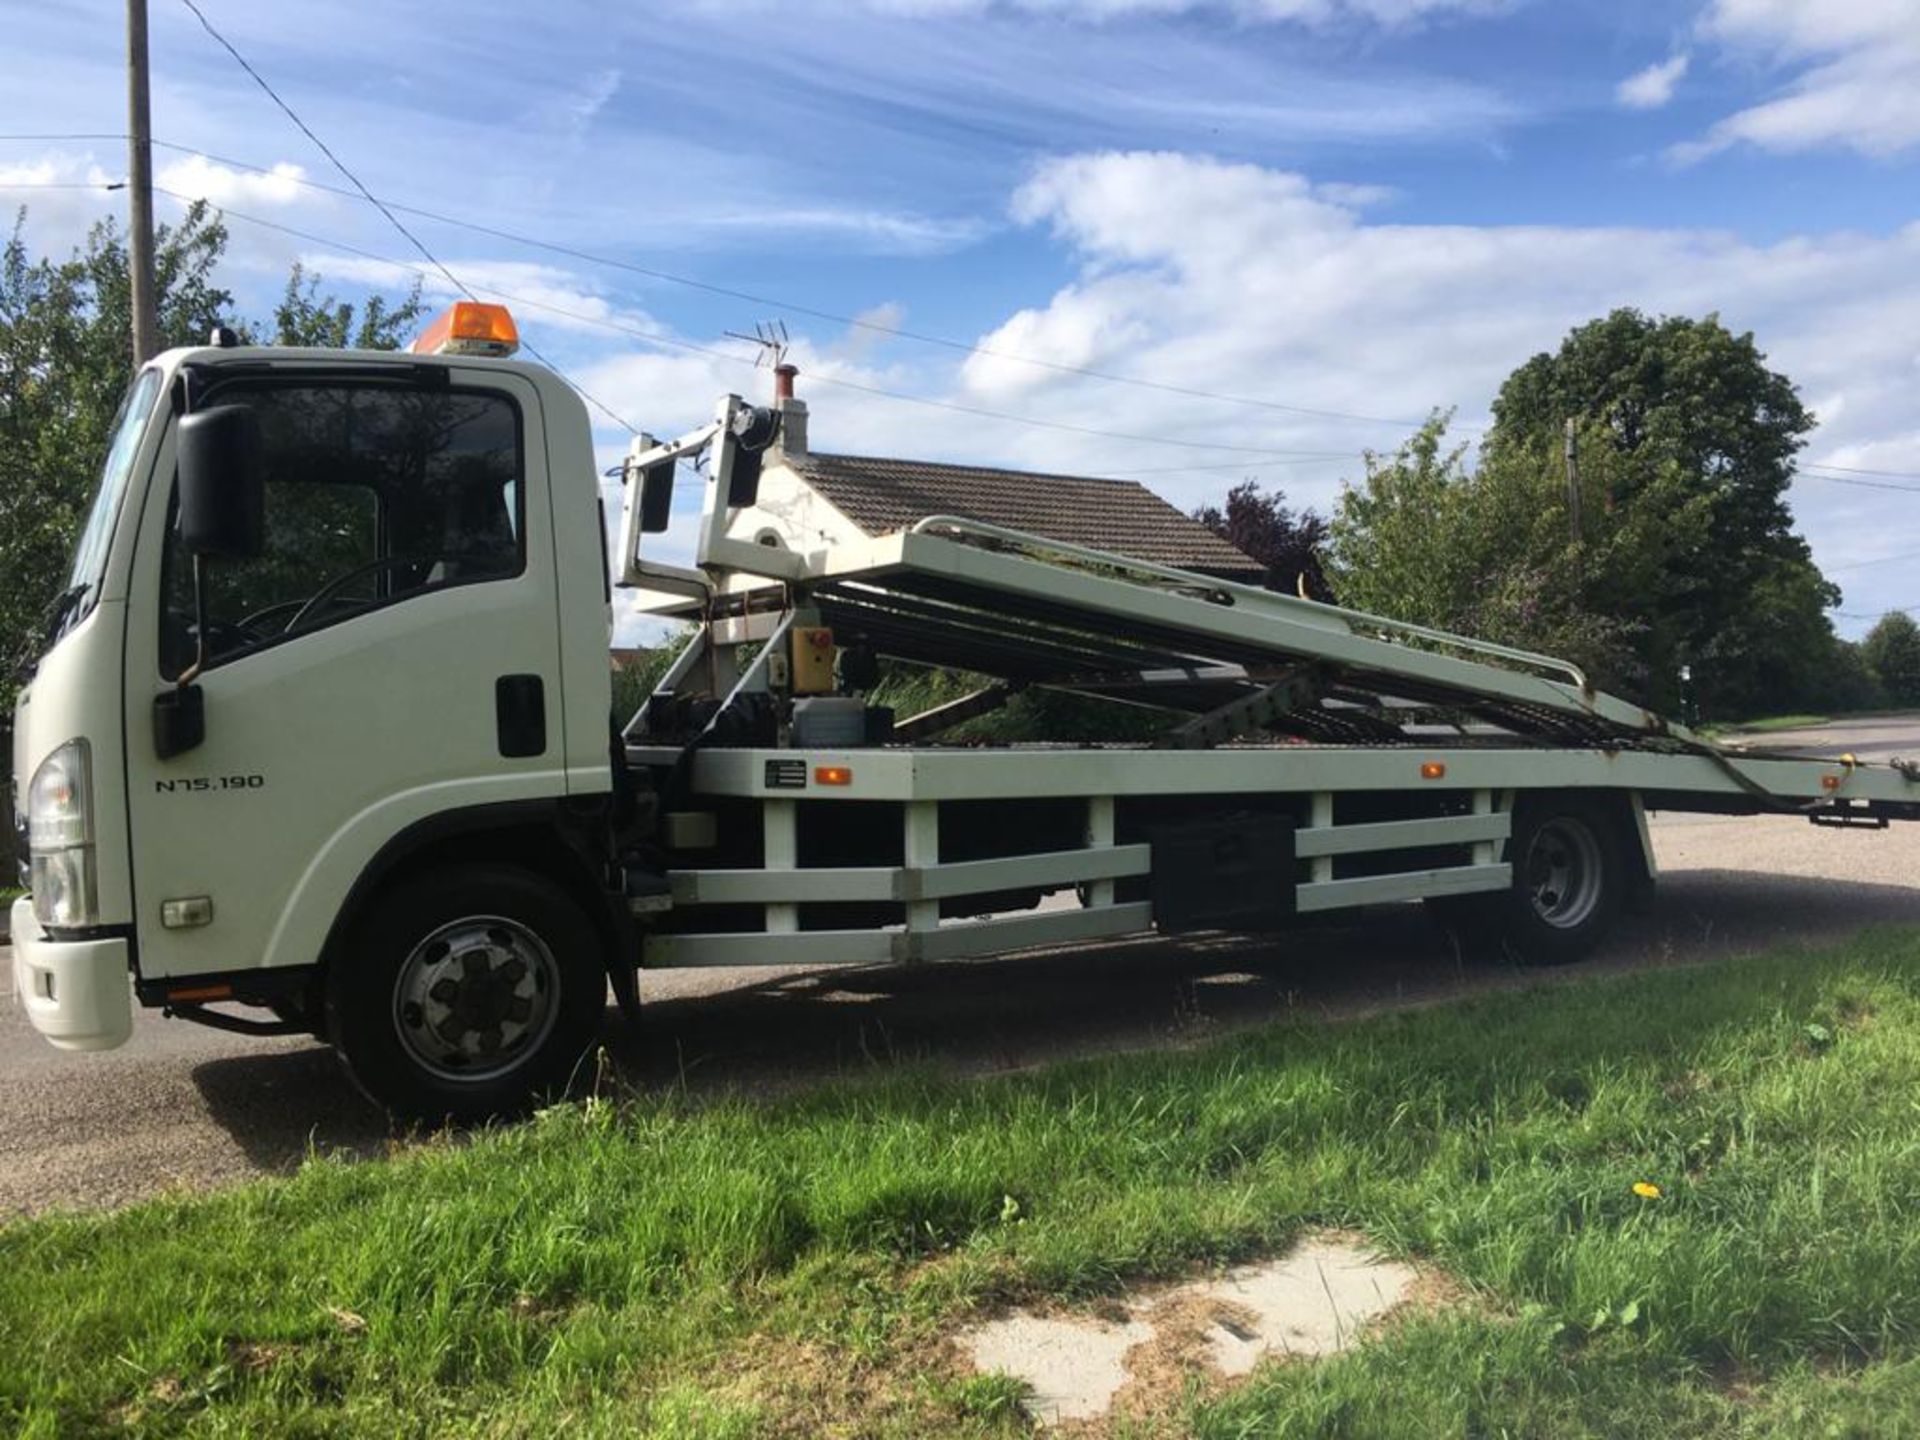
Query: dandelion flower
pixel 1646 1189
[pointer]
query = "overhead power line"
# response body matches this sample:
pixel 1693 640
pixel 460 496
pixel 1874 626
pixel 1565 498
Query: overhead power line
pixel 795 307
pixel 1254 452
pixel 1859 482
pixel 1853 470
pixel 57 138
pixel 376 202
pixel 1318 457
pixel 1879 560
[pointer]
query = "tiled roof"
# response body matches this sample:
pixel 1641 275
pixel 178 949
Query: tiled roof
pixel 882 496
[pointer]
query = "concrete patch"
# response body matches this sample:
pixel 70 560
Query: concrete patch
pixel 1075 1367
pixel 1315 1300
pixel 1311 1302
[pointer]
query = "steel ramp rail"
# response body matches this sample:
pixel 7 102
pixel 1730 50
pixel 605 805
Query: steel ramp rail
pixel 966 595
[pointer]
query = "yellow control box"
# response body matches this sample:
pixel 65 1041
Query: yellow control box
pixel 812 660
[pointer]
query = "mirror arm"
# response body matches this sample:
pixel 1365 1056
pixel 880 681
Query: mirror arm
pixel 192 672
pixel 180 714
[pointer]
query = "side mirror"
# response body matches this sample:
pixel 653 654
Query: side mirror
pixel 221 489
pixel 656 497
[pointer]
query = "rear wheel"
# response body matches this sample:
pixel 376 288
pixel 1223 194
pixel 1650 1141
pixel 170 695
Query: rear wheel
pixel 467 993
pixel 1571 875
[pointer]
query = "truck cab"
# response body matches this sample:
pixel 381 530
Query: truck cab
pixel 331 669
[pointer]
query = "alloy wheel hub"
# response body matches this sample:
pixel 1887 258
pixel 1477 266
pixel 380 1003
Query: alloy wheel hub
pixel 475 997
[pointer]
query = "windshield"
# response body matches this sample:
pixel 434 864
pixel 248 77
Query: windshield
pixel 90 555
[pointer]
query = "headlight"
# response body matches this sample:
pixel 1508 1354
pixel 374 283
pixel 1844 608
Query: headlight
pixel 60 837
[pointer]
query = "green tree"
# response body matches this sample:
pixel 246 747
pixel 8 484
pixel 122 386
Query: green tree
pixel 1892 653
pixel 304 316
pixel 1847 682
pixel 1668 543
pixel 64 360
pixel 1689 423
pixel 1484 551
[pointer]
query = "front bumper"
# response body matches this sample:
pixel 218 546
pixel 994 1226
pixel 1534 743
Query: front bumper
pixel 77 993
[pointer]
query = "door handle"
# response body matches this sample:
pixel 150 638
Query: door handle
pixel 520 713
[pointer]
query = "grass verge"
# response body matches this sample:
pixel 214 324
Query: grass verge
pixel 667 1268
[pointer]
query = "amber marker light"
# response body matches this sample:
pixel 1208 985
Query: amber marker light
pixel 833 774
pixel 1433 770
pixel 468 327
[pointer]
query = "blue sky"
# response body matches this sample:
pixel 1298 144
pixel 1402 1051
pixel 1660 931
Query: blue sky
pixel 1370 207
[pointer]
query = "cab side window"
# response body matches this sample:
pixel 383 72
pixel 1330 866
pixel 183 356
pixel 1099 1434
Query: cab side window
pixel 372 495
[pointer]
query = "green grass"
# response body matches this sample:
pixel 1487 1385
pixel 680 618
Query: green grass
pixel 717 1269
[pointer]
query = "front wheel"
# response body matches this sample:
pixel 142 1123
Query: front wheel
pixel 1571 874
pixel 467 993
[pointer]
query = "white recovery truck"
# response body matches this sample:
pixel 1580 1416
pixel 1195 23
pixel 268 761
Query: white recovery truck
pixel 321 731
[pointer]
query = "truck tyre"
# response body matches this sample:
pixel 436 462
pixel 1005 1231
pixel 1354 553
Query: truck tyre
pixel 1570 880
pixel 467 993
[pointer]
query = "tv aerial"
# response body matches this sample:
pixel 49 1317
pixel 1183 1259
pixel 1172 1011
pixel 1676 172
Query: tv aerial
pixel 771 337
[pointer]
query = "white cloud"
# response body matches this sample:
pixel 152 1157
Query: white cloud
pixel 592 100
pixel 55 172
pixel 542 296
pixel 869 330
pixel 199 178
pixel 32 175
pixel 62 195
pixel 1858 80
pixel 570 113
pixel 1806 27
pixel 1243 281
pixel 1390 13
pixel 1653 87
pixel 1080 327
pixel 1359 197
pixel 873 231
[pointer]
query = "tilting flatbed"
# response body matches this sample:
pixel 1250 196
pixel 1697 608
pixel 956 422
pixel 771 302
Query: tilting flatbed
pixel 1319 757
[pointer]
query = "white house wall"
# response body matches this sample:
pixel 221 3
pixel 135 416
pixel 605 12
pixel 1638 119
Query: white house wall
pixel 804 519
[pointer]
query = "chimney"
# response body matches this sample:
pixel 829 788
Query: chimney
pixel 793 413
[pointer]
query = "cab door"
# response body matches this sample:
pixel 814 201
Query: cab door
pixel 391 656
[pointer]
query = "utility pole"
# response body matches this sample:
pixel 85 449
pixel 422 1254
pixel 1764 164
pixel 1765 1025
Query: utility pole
pixel 146 324
pixel 1571 451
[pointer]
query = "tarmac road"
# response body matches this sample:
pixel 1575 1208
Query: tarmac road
pixel 182 1106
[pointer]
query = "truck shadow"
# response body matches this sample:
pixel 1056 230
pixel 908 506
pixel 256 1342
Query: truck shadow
pixel 780 1031
pixel 765 1034
pixel 285 1105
